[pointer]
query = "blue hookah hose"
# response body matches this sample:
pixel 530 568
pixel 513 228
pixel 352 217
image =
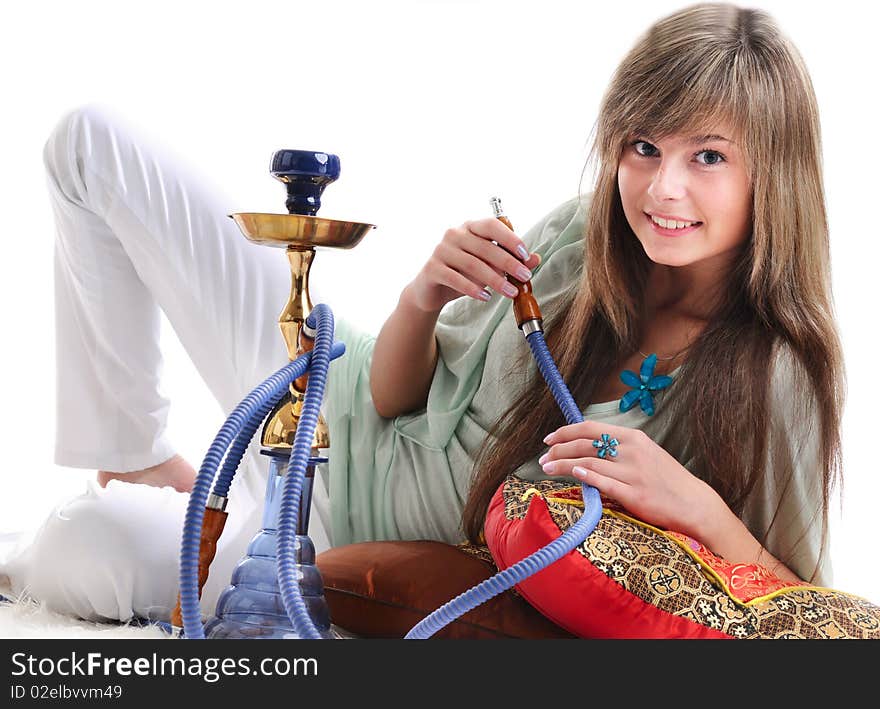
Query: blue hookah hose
pixel 321 318
pixel 555 550
pixel 247 415
pixel 529 321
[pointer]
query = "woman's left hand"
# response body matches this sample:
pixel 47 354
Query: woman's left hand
pixel 643 477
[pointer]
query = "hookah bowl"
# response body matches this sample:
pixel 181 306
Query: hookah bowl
pixel 251 606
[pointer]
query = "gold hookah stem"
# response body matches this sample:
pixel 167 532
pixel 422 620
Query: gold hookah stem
pixel 280 429
pixel 299 304
pixel 299 307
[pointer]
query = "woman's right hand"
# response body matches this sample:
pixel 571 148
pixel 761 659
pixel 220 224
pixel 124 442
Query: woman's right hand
pixel 466 260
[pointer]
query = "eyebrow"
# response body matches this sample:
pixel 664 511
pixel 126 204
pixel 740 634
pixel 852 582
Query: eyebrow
pixel 693 140
pixel 703 138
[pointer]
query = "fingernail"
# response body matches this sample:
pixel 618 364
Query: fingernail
pixel 510 289
pixel 523 254
pixel 523 273
pixel 543 458
pixel 549 467
pixel 579 472
pixel 483 295
pixel 548 437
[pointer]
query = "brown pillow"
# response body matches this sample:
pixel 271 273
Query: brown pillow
pixel 383 589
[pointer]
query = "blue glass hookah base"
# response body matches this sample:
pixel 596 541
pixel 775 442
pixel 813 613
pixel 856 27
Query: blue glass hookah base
pixel 251 606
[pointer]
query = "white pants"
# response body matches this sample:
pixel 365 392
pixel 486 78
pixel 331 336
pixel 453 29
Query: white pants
pixel 139 230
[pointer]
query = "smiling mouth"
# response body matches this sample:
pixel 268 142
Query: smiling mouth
pixel 676 219
pixel 665 231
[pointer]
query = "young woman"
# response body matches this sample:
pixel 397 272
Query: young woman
pixel 704 246
pixel 700 255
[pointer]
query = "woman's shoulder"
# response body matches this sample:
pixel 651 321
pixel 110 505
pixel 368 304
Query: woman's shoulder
pixel 562 225
pixel 559 240
pixel 789 379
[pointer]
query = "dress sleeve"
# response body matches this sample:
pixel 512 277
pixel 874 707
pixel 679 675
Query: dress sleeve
pixel 789 506
pixel 466 325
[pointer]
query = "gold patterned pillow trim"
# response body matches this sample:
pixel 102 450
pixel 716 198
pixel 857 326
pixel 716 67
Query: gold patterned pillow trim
pixel 740 600
pixel 695 550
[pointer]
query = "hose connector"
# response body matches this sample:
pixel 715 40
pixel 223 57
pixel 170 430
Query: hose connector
pixel 530 326
pixel 216 502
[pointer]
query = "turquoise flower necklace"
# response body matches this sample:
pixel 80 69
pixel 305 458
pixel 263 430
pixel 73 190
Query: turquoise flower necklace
pixel 644 383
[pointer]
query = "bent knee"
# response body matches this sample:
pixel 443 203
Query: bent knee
pixel 82 136
pixel 73 125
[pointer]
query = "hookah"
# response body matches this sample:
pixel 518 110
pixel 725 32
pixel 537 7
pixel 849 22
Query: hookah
pixel 276 591
pixel 292 436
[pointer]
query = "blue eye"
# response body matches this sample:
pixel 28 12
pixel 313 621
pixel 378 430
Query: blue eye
pixel 719 157
pixel 642 142
pixel 708 151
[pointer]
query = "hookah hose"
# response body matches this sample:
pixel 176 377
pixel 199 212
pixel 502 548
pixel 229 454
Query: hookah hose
pixel 529 320
pixel 542 558
pixel 241 425
pixel 245 419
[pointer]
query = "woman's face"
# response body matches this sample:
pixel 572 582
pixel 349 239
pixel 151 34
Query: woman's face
pixel 692 179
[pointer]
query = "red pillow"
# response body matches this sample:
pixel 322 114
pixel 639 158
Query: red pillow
pixel 631 580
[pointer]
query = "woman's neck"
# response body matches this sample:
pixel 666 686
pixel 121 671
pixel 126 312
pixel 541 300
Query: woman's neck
pixel 685 291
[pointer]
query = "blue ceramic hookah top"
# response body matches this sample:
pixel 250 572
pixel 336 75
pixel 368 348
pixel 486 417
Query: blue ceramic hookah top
pixel 305 173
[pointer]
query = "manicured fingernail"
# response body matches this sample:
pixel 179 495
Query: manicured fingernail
pixel 543 458
pixel 579 472
pixel 483 295
pixel 510 289
pixel 523 273
pixel 523 254
pixel 548 437
pixel 549 467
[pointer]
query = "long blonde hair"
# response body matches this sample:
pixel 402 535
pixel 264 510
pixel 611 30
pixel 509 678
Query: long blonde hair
pixel 704 62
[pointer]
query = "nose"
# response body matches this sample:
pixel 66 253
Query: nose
pixel 668 183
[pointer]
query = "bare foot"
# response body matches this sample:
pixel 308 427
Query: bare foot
pixel 176 472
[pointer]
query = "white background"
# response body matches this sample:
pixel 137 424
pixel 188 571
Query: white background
pixel 432 107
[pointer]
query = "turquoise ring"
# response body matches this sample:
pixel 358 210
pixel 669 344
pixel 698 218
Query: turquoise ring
pixel 607 446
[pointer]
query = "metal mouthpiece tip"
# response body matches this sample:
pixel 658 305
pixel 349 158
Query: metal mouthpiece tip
pixel 495 202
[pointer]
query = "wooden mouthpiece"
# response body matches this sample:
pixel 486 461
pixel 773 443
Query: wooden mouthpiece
pixel 525 307
pixel 212 528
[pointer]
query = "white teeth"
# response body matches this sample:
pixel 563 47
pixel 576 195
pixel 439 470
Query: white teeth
pixel 671 223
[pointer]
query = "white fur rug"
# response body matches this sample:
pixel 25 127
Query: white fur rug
pixel 27 618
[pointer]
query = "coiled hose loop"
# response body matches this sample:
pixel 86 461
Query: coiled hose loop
pixel 247 412
pixel 288 513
